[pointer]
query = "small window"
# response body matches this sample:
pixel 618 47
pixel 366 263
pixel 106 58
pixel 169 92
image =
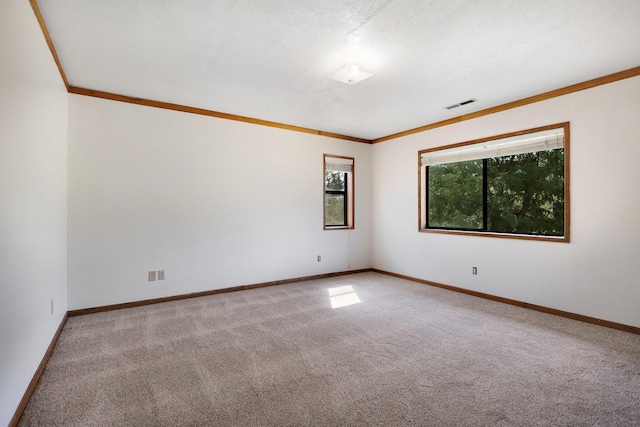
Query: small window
pixel 338 192
pixel 513 185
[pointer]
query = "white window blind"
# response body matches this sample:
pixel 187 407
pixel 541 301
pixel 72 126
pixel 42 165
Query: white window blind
pixel 541 141
pixel 338 164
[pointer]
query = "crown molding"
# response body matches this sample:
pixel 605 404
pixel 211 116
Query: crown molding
pixel 633 72
pixel 47 37
pixel 210 113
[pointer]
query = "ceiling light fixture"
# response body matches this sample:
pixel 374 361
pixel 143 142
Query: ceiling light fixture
pixel 351 74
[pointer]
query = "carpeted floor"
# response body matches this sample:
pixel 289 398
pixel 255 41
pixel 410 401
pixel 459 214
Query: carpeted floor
pixel 407 354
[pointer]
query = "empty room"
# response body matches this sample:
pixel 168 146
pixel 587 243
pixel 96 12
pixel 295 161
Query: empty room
pixel 391 212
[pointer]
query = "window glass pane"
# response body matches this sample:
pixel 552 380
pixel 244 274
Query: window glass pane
pixel 509 185
pixel 335 180
pixel 335 209
pixel 526 193
pixel 455 195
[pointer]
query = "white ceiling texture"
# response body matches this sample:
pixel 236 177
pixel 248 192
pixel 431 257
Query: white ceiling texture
pixel 272 59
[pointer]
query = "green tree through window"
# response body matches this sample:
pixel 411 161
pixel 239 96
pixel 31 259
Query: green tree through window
pixel 526 193
pixel 455 195
pixel 336 198
pixel 471 187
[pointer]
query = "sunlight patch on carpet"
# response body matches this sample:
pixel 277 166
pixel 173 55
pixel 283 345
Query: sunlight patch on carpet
pixel 343 296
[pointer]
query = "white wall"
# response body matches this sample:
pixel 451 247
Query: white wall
pixel 214 203
pixel 33 200
pixel 597 274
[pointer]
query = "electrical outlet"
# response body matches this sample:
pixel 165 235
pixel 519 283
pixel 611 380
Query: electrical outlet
pixel 319 258
pixel 152 276
pixel 474 270
pixel 160 274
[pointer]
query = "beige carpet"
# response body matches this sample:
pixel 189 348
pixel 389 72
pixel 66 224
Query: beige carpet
pixel 407 354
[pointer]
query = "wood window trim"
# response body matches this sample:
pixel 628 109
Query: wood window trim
pixel 566 238
pixel 350 194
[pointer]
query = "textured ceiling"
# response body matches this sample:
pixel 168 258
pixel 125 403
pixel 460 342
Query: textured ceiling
pixel 272 59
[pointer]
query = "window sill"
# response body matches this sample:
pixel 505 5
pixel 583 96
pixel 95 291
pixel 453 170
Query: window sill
pixel 338 227
pixel 557 239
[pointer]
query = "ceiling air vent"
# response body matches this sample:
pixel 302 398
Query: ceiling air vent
pixel 460 104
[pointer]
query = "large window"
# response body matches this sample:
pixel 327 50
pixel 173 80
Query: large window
pixel 514 185
pixel 338 192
